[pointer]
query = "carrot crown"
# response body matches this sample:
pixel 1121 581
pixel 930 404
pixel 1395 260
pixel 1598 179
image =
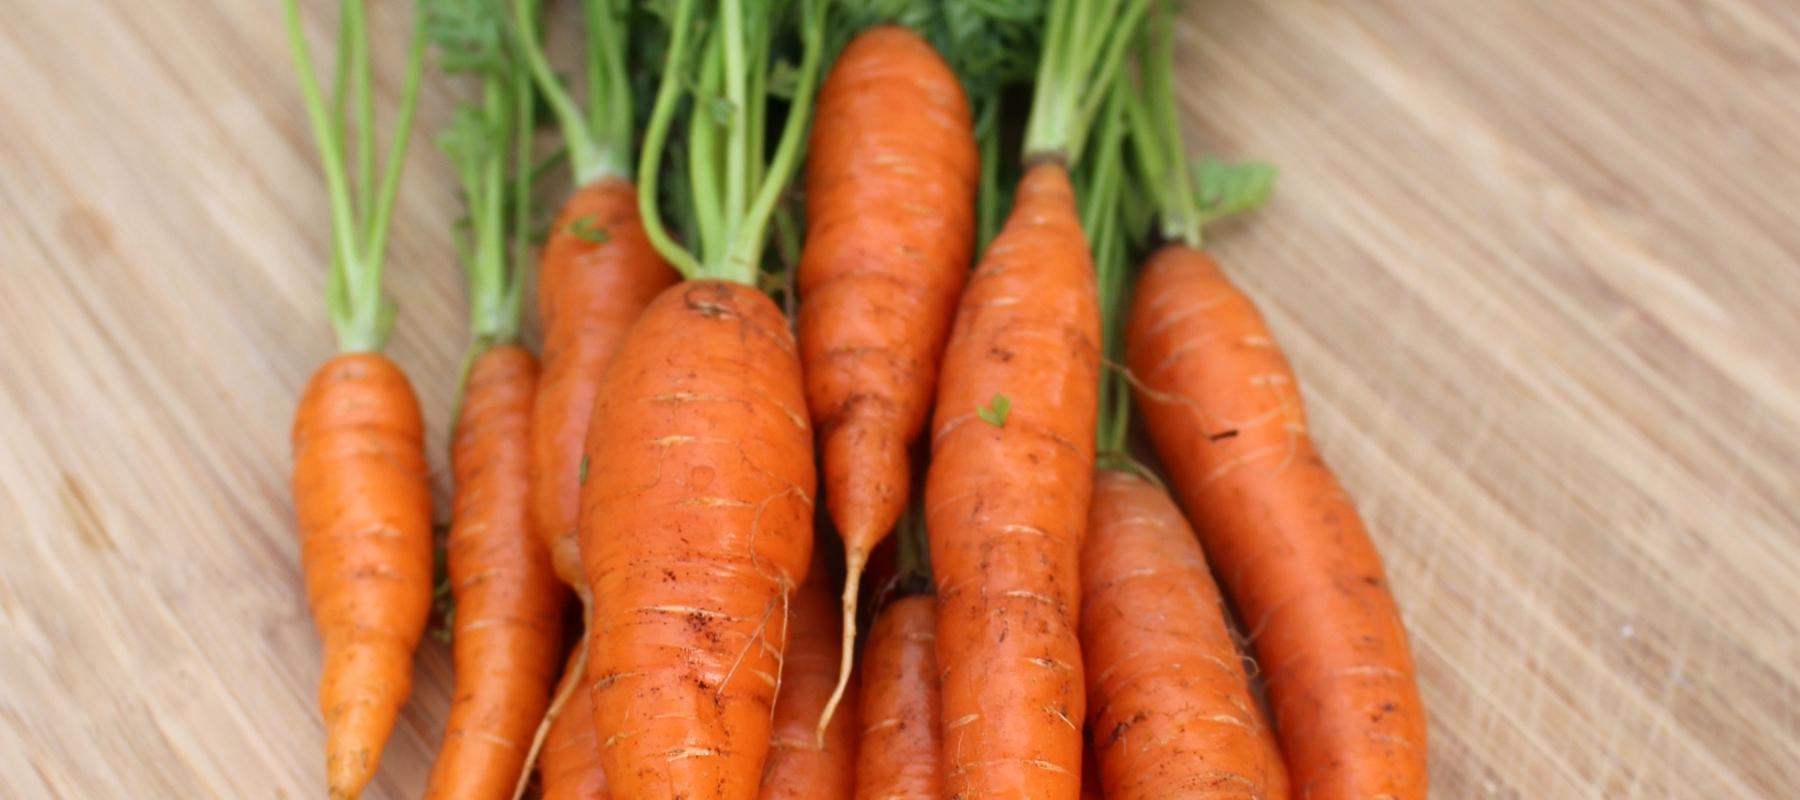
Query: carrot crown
pixel 361 210
pixel 488 137
pixel 1084 44
pixel 732 191
pixel 1186 197
pixel 599 143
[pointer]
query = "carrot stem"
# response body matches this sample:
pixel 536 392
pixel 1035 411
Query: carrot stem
pixel 733 193
pixel 360 314
pixel 1084 44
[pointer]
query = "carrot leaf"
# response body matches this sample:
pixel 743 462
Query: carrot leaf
pixel 996 411
pixel 587 228
pixel 1226 188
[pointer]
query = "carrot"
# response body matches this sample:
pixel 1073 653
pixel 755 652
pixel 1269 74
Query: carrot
pixel 890 193
pixel 800 767
pixel 898 755
pixel 360 486
pixel 570 766
pixel 508 603
pixel 1013 452
pixel 1223 408
pixel 696 515
pixel 1172 710
pixel 596 273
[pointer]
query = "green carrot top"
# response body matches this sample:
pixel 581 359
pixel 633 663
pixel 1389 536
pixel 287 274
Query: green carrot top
pixel 488 141
pixel 599 141
pixel 1185 197
pixel 723 63
pixel 1085 41
pixel 361 209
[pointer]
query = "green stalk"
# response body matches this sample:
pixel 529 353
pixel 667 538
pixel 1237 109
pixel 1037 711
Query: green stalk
pixel 599 150
pixel 1103 187
pixel 733 196
pixel 360 314
pixel 362 84
pixel 1085 42
pixel 656 134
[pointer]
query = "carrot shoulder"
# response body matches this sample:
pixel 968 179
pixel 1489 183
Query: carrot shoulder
pixel 365 526
pixel 508 603
pixel 1171 708
pixel 802 765
pixel 595 276
pixel 1007 499
pixel 696 525
pixel 569 768
pixel 898 755
pixel 1224 410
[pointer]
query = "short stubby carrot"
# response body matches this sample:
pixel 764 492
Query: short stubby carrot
pixel 596 274
pixel 569 768
pixel 1169 703
pixel 898 756
pixel 365 525
pixel 802 765
pixel 1224 410
pixel 508 630
pixel 1007 500
pixel 890 208
pixel 696 526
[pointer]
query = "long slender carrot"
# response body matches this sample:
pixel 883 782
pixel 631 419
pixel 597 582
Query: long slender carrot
pixel 360 486
pixel 596 273
pixel 696 515
pixel 898 756
pixel 1013 451
pixel 1006 499
pixel 1223 408
pixel 890 194
pixel 508 612
pixel 508 627
pixel 1172 710
pixel 800 766
pixel 570 765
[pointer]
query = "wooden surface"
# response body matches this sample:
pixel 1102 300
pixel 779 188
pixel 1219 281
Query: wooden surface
pixel 1536 262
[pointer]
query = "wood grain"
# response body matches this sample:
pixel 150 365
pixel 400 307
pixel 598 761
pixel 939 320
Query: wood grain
pixel 1536 262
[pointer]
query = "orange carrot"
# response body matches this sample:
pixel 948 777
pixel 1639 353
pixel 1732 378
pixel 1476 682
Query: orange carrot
pixel 360 487
pixel 595 276
pixel 696 525
pixel 1224 410
pixel 898 756
pixel 696 515
pixel 570 764
pixel 1171 710
pixel 1013 446
pixel 508 603
pixel 890 193
pixel 1006 498
pixel 800 766
pixel 365 525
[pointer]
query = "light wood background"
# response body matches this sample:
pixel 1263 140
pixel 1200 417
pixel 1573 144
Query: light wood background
pixel 1536 262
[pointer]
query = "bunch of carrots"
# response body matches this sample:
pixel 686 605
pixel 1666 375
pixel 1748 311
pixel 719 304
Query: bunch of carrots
pixel 779 255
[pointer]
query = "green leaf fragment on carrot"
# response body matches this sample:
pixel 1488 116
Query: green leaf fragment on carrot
pixel 996 411
pixel 587 228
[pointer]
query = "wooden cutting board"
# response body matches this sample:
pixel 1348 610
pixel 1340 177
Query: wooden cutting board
pixel 1535 261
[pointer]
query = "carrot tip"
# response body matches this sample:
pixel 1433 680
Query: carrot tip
pixel 855 560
